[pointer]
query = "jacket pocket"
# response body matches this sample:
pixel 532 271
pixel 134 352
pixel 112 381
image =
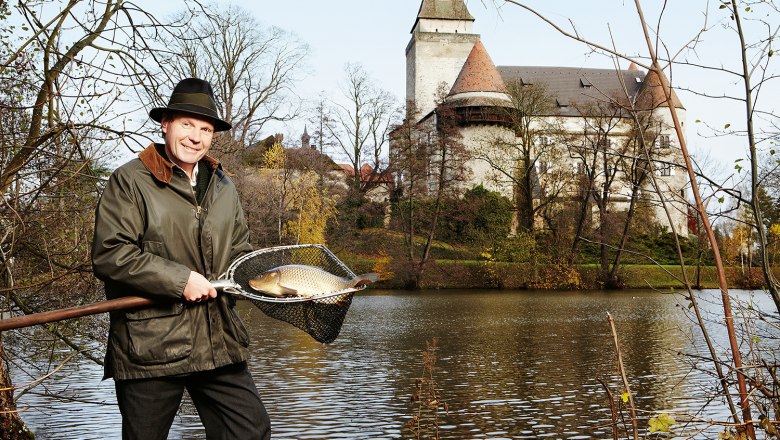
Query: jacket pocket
pixel 159 334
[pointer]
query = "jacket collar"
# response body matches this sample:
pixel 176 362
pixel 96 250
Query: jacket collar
pixel 162 168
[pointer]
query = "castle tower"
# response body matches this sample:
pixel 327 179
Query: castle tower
pixel 673 180
pixel 478 82
pixel 442 39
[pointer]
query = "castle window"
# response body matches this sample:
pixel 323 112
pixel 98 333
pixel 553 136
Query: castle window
pixel 664 169
pixel 664 141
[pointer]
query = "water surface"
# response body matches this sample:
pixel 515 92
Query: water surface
pixel 509 365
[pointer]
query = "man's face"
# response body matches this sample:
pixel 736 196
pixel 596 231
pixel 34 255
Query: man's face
pixel 187 139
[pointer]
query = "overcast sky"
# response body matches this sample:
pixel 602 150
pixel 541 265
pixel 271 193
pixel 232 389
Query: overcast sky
pixel 375 33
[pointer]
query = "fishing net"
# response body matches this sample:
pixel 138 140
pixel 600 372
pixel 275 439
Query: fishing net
pixel 320 316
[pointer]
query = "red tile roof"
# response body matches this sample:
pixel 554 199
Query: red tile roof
pixel 478 74
pixel 366 173
pixel 652 93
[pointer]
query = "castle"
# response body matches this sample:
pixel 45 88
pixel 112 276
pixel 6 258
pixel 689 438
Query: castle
pixel 445 51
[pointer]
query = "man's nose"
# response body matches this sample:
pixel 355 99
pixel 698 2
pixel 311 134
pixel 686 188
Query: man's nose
pixel 195 136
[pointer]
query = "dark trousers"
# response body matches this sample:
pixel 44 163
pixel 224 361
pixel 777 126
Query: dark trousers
pixel 226 399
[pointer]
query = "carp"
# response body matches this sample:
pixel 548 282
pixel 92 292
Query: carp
pixel 305 281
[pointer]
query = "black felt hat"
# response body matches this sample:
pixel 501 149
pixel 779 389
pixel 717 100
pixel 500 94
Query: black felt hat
pixel 193 96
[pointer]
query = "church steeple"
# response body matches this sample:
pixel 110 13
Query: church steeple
pixel 305 138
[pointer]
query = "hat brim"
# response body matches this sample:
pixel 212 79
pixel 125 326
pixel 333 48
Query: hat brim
pixel 219 125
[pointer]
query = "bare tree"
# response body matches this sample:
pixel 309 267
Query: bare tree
pixel 755 75
pixel 359 126
pixel 69 72
pixel 597 151
pixel 634 164
pixel 747 425
pixel 516 159
pixel 430 161
pixel 252 68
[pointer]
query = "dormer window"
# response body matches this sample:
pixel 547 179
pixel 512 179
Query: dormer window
pixel 585 83
pixel 561 103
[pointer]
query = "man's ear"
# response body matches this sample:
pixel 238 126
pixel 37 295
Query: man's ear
pixel 164 121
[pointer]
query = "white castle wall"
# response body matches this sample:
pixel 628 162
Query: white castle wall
pixel 672 186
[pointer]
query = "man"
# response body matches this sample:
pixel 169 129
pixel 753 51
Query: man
pixel 166 223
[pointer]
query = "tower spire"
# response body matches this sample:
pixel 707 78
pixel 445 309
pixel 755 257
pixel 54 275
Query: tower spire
pixel 478 74
pixel 444 10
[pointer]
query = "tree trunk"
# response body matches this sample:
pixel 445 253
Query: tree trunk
pixel 613 274
pixel 11 425
pixel 603 249
pixel 579 224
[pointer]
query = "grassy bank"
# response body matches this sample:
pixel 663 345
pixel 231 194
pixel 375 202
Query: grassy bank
pixel 472 274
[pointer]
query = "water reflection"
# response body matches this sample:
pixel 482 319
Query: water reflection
pixel 510 365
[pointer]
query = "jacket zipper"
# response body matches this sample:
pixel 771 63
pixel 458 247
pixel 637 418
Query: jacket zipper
pixel 198 211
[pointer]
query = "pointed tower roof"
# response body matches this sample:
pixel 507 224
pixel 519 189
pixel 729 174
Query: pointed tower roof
pixel 478 73
pixel 632 67
pixel 652 95
pixel 444 10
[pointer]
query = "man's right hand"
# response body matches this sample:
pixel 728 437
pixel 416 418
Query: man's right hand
pixel 198 288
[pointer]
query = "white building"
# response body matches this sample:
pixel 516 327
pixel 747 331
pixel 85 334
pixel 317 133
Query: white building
pixel 445 50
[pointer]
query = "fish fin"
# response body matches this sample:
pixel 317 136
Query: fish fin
pixel 286 291
pixel 363 279
pixel 267 293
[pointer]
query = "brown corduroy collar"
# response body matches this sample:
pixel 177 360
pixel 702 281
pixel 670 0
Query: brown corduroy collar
pixel 160 167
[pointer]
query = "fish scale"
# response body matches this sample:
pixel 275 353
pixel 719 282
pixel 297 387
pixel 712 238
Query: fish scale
pixel 303 280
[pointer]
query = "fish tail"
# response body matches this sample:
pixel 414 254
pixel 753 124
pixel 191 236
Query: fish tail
pixel 363 279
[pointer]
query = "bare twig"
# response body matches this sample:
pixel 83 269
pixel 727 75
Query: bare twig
pixel 622 369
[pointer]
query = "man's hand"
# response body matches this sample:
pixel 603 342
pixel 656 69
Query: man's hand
pixel 198 288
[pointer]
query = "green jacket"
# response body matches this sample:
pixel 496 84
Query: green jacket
pixel 150 232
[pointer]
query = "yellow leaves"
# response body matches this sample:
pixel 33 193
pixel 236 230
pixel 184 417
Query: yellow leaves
pixel 301 194
pixel 624 397
pixel 661 423
pixel 731 435
pixel 274 158
pixel 313 207
pixel 382 265
pixel 766 424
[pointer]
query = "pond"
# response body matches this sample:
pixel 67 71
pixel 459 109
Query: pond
pixel 508 364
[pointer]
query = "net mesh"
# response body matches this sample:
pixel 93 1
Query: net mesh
pixel 321 317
